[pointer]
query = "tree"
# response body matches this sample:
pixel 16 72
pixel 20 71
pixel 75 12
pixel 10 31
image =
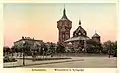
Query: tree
pixel 13 49
pixel 52 49
pixel 93 46
pixel 115 49
pixel 44 50
pixel 6 50
pixel 110 47
pixel 60 48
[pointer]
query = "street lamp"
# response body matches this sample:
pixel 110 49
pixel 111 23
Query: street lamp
pixel 43 51
pixel 23 49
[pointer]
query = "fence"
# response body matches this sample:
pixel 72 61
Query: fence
pixel 79 54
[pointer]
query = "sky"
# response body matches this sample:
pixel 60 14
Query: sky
pixel 40 20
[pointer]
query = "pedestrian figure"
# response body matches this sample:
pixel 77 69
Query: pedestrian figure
pixel 109 53
pixel 51 55
pixel 20 54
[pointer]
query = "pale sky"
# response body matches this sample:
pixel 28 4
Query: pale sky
pixel 40 20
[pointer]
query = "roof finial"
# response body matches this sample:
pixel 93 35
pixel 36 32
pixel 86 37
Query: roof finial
pixel 64 6
pixel 95 31
pixel 79 22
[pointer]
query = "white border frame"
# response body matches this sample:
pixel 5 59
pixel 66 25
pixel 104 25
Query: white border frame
pixel 50 70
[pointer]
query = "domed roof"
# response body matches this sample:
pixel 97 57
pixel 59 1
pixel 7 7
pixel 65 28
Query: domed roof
pixel 79 31
pixel 95 35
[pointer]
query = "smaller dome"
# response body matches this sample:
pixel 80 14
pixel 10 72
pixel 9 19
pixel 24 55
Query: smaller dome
pixel 95 35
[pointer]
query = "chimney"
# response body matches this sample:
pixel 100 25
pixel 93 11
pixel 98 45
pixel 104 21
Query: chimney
pixel 22 37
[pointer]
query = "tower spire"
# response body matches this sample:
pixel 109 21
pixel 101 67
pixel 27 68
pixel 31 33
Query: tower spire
pixel 64 14
pixel 64 11
pixel 64 6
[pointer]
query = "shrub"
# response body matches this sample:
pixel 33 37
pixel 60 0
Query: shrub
pixel 8 59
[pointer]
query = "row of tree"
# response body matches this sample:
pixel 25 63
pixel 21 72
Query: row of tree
pixel 30 49
pixel 107 47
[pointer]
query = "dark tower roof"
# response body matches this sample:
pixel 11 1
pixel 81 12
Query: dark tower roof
pixel 80 30
pixel 64 17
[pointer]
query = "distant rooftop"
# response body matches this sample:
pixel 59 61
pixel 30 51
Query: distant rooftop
pixel 28 38
pixel 95 35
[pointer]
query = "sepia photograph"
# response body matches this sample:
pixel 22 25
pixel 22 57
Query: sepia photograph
pixel 60 35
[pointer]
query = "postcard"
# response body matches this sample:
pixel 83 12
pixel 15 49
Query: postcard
pixel 60 37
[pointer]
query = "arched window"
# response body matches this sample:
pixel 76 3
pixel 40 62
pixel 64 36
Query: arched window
pixel 63 36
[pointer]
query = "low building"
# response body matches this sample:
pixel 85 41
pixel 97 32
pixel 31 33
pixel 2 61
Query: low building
pixel 32 43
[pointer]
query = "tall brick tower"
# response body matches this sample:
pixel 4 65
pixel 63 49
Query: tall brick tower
pixel 64 26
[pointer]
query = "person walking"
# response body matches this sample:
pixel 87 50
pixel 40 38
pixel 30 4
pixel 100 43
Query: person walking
pixel 109 53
